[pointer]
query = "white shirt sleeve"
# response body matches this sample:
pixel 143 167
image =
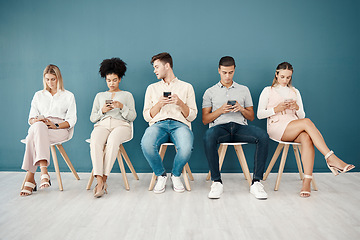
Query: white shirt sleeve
pixel 262 111
pixel 191 103
pixel 34 111
pixel 70 116
pixel 300 113
pixel 147 104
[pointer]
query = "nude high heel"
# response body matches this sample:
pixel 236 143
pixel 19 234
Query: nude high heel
pixel 336 170
pixel 306 192
pixel 99 193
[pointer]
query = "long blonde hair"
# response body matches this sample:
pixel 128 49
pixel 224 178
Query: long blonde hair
pixel 282 66
pixel 54 70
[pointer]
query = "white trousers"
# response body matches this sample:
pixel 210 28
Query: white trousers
pixel 38 143
pixel 106 138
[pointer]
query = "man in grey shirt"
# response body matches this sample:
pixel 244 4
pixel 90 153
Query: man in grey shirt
pixel 226 108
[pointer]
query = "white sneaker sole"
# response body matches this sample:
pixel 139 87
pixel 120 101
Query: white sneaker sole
pixel 159 191
pixel 214 197
pixel 257 197
pixel 179 190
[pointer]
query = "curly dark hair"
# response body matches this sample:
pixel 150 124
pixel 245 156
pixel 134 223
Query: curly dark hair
pixel 113 65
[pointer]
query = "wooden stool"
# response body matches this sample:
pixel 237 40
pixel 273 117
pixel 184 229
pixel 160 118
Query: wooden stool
pixel 284 146
pixel 186 170
pixel 56 164
pixel 241 157
pixel 122 153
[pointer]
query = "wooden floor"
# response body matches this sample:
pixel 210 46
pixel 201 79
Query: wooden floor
pixel 333 212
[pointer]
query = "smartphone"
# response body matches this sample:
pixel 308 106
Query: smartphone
pixel 167 94
pixel 108 102
pixel 231 102
pixel 40 117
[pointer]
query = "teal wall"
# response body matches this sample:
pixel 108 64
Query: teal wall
pixel 320 38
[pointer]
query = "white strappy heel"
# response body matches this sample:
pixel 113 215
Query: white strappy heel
pixel 336 170
pixel 47 183
pixel 30 185
pixel 306 192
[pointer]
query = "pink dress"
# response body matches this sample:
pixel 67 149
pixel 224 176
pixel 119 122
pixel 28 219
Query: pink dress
pixel 277 123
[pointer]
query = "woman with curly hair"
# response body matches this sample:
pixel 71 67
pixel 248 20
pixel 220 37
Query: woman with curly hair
pixel 112 113
pixel 281 104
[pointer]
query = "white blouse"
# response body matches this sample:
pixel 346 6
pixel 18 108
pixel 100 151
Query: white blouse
pixel 62 105
pixel 264 112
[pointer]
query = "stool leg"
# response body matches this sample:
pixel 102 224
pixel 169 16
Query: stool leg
pixel 242 160
pixel 152 182
pixel 67 160
pixel 188 170
pixel 56 165
pixel 91 179
pixel 314 184
pixel 273 160
pixel 298 161
pixel 128 162
pixel 123 172
pixel 281 167
pixel 186 180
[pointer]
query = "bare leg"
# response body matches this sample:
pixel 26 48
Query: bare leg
pixel 29 178
pixel 296 127
pixel 105 184
pixel 43 168
pixel 100 183
pixel 307 158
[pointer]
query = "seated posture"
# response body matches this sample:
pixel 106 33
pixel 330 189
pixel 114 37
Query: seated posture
pixel 169 108
pixel 226 107
pixel 52 115
pixel 281 104
pixel 112 113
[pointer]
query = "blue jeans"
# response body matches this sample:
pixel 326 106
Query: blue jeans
pixel 163 132
pixel 233 132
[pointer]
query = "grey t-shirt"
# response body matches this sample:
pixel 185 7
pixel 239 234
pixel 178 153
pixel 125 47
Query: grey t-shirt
pixel 218 94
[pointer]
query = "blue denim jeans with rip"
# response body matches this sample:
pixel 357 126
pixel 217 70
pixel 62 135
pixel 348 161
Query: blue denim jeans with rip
pixel 163 132
pixel 234 132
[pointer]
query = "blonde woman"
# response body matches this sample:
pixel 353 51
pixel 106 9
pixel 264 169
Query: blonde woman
pixel 112 113
pixel 281 104
pixel 52 115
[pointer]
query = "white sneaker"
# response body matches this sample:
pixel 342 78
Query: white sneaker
pixel 257 189
pixel 216 190
pixel 160 185
pixel 177 184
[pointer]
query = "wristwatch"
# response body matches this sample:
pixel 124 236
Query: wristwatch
pixel 57 125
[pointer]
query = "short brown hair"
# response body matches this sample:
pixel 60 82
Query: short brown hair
pixel 163 57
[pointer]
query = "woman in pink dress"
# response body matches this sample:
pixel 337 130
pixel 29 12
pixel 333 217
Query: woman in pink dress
pixel 281 104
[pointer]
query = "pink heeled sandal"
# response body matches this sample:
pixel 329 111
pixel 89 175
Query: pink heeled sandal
pixel 306 192
pixel 336 170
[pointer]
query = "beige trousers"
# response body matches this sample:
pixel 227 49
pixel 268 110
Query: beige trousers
pixel 38 143
pixel 106 138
